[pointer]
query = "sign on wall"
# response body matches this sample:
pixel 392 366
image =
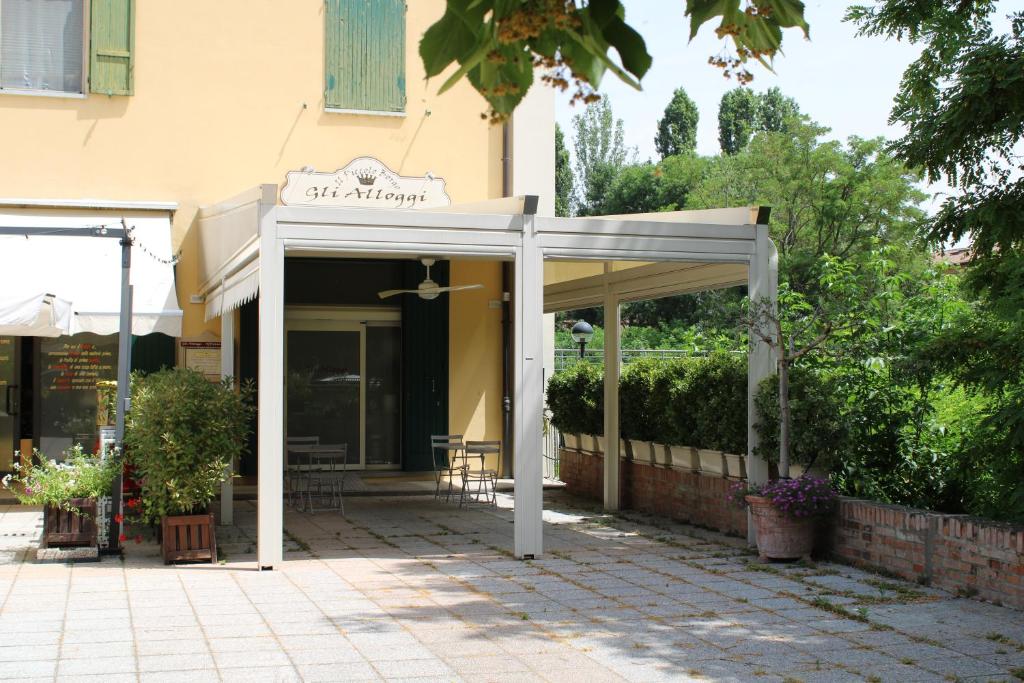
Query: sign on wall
pixel 364 182
pixel 202 356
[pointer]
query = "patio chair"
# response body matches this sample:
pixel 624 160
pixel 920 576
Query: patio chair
pixel 486 480
pixel 296 475
pixel 445 449
pixel 330 465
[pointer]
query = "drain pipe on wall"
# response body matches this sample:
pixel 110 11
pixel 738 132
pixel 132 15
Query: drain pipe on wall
pixel 507 443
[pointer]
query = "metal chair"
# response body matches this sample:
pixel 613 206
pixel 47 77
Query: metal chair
pixel 295 473
pixel 330 463
pixel 445 450
pixel 486 480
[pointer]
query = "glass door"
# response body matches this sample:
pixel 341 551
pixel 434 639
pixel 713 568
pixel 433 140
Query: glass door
pixel 9 399
pixel 325 388
pixel 344 379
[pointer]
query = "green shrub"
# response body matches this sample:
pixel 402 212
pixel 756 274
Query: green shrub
pixel 180 436
pixel 818 429
pixel 640 401
pixel 576 399
pixel 54 483
pixel 717 398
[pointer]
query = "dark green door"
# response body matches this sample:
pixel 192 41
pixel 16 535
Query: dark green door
pixel 424 367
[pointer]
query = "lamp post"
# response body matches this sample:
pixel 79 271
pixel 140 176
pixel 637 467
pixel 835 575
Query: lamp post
pixel 582 332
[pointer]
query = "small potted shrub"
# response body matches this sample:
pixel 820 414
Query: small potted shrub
pixel 786 513
pixel 181 436
pixel 68 492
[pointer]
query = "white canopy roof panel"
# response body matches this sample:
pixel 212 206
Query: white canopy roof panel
pixel 85 272
pixel 36 315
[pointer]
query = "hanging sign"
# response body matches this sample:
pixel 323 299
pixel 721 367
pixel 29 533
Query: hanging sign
pixel 364 182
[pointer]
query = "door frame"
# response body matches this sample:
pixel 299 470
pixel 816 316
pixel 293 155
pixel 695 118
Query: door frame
pixel 343 319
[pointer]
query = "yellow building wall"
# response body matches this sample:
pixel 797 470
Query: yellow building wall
pixel 475 353
pixel 229 94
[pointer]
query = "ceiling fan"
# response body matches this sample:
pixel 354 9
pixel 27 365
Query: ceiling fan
pixel 428 289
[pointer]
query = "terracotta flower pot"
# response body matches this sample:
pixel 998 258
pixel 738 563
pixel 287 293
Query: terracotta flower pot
pixel 779 535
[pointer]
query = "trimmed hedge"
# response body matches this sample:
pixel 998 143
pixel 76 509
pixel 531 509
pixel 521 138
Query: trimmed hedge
pixel 697 401
pixel 701 402
pixel 576 399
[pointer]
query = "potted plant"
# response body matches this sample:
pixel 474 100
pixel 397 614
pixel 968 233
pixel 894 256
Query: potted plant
pixel 785 514
pixel 68 492
pixel 182 434
pixel 575 397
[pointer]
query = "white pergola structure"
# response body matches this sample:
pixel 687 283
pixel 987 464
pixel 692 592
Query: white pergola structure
pixel 245 240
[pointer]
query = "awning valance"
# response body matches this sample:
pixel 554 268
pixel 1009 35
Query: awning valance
pixel 85 273
pixel 236 290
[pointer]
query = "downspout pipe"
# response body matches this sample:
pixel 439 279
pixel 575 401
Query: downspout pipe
pixel 507 443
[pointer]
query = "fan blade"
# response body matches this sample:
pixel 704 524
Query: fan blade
pixel 458 288
pixel 393 292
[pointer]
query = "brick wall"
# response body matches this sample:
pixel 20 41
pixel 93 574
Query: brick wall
pixel 955 552
pixel 678 494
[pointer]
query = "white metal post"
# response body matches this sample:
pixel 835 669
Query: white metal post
pixel 227 369
pixel 270 492
pixel 612 357
pixel 763 282
pixel 529 394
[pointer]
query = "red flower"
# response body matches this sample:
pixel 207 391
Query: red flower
pixel 132 502
pixel 122 538
pixel 119 518
pixel 138 538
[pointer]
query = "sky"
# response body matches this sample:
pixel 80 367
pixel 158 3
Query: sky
pixel 841 81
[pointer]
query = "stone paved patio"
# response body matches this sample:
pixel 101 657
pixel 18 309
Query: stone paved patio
pixel 404 588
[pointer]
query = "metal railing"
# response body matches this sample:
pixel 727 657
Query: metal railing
pixel 552 441
pixel 566 357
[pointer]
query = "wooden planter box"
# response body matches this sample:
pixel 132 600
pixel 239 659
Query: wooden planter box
pixel 62 528
pixel 188 538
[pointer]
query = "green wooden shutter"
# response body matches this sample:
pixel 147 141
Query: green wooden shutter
pixel 112 47
pixel 365 55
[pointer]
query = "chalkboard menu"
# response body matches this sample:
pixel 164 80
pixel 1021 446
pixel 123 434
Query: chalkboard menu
pixel 70 370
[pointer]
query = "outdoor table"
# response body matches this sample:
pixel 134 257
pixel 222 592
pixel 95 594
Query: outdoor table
pixel 309 455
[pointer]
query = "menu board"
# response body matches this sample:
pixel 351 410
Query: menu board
pixel 71 369
pixel 71 365
pixel 202 356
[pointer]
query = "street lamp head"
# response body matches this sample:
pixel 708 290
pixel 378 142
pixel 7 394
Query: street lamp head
pixel 582 332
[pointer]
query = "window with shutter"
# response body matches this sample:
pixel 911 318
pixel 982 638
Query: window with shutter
pixel 41 45
pixel 111 46
pixel 365 55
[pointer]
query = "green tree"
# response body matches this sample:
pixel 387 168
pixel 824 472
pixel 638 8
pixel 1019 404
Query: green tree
pixel 826 197
pixel 774 110
pixel 677 129
pixel 742 114
pixel 563 176
pixel 737 119
pixel 962 105
pixel 498 44
pixel 600 154
pixel 644 188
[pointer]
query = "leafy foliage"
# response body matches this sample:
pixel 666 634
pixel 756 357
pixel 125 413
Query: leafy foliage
pixel 181 434
pixel 677 128
pixel 79 475
pixel 498 43
pixel 576 399
pixel 563 176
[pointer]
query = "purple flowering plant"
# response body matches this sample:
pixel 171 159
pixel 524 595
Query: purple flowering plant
pixel 805 496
